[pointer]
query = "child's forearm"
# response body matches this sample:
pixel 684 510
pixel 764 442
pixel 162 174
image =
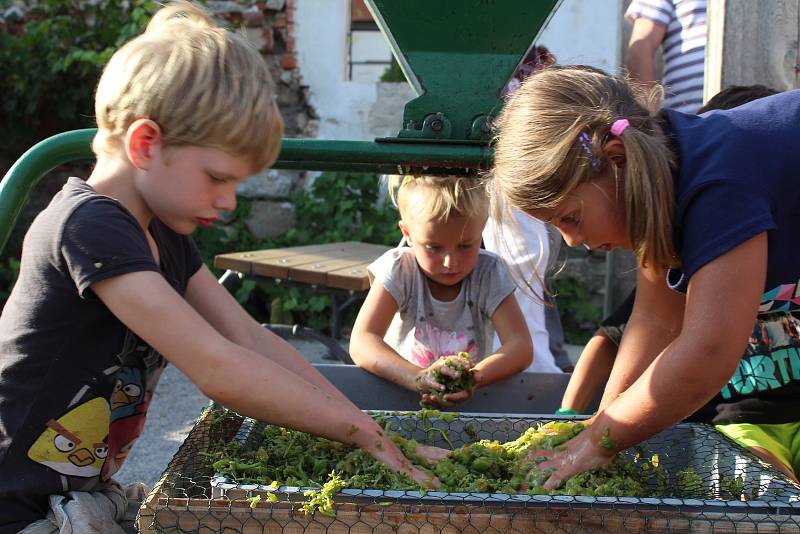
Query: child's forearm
pixel 643 340
pixel 512 357
pixel 651 405
pixel 590 374
pixel 698 362
pixel 267 391
pixel 274 393
pixel 372 353
pixel 264 342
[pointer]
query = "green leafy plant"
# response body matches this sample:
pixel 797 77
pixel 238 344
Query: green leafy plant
pixel 344 207
pixel 393 73
pixel 579 317
pixel 51 61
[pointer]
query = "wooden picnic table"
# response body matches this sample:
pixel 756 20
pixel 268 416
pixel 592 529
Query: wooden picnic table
pixel 339 269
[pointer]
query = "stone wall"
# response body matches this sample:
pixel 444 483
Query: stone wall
pixel 608 277
pixel 270 26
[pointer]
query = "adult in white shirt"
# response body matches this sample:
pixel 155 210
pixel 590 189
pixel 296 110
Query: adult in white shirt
pixel 526 248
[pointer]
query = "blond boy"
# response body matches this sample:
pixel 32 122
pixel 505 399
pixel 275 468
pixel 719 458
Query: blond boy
pixel 111 286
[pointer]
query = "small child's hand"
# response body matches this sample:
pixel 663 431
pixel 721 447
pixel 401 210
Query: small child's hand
pixel 427 378
pixel 447 381
pixel 448 400
pixel 430 379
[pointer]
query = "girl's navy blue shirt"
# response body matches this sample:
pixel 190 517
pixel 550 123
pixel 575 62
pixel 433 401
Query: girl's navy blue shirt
pixel 739 176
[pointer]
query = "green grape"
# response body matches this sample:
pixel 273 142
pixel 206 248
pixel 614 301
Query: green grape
pixel 289 457
pixel 690 484
pixel 731 488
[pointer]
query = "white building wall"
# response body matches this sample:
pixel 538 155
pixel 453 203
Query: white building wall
pixel 580 31
pixel 321 28
pixel 587 32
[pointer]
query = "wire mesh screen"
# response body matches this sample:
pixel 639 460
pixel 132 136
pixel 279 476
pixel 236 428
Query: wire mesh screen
pixel 706 483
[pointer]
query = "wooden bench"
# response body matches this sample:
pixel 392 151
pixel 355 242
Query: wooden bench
pixel 340 269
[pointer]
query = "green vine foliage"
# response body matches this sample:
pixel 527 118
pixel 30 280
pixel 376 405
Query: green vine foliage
pixel 338 207
pixel 579 317
pixel 344 207
pixel 393 73
pixel 50 63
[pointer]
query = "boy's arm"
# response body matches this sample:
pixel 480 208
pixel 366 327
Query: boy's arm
pixel 654 323
pixel 236 376
pixel 217 306
pixel 591 372
pixel 516 348
pixel 367 347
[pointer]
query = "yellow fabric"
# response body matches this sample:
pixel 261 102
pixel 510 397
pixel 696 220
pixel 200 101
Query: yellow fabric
pixel 782 440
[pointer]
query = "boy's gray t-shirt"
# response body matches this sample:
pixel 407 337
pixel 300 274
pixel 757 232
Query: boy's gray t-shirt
pixel 423 329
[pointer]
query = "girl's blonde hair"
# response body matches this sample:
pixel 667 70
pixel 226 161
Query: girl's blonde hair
pixel 540 157
pixel 202 85
pixel 434 198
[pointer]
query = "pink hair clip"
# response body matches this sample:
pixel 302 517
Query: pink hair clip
pixel 619 126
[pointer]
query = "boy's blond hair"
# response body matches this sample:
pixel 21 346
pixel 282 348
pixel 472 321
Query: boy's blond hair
pixel 436 198
pixel 540 157
pixel 203 86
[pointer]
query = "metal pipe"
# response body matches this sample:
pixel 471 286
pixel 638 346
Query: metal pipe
pixel 22 177
pixel 382 157
pixel 325 154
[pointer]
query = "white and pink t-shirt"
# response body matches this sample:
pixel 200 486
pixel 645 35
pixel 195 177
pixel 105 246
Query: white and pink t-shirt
pixel 425 328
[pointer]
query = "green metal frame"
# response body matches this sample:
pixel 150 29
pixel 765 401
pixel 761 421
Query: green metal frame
pixel 458 55
pixel 306 154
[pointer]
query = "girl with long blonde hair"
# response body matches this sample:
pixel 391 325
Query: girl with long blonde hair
pixel 707 204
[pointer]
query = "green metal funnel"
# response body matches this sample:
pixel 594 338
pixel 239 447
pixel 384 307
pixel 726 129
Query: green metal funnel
pixel 458 56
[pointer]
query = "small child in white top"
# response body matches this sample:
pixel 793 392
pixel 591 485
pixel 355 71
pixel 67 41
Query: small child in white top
pixel 440 295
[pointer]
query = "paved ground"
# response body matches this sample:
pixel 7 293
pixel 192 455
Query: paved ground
pixel 175 407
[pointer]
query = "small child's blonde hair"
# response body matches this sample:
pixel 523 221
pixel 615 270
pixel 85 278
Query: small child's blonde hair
pixel 436 198
pixel 203 86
